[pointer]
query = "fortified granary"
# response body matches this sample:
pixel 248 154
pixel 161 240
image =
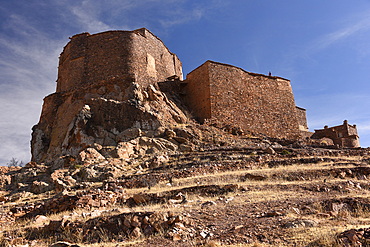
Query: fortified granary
pixel 109 83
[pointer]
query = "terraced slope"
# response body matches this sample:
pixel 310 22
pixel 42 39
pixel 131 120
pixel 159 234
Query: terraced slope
pixel 248 195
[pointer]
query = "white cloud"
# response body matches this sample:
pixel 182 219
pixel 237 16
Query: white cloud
pixel 353 26
pixel 28 65
pixel 180 17
pixel 86 15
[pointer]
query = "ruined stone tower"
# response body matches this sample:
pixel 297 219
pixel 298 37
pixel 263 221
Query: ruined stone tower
pixel 115 55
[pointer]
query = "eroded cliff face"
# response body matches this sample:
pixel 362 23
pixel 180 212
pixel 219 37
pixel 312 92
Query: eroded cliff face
pixel 101 116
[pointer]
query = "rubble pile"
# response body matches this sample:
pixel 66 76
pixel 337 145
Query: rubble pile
pixel 118 227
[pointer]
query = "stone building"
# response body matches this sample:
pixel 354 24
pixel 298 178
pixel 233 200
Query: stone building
pixel 258 103
pixel 100 92
pixel 344 135
pixel 115 55
pixel 109 83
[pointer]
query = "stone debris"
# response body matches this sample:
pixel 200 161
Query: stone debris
pixel 355 237
pixel 40 220
pixel 208 204
pixel 272 214
pixel 64 244
pixel 254 177
pixel 300 223
pixel 127 225
pixel 270 150
pixel 63 202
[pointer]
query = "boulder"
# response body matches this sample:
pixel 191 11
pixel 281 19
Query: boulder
pixel 39 187
pixel 158 161
pixel 129 134
pixel 40 220
pixel 91 156
pixel 125 150
pixel 136 233
pixel 270 150
pixel 186 148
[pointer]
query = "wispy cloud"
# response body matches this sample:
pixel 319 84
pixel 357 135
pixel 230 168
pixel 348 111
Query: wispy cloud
pixel 32 37
pixel 180 15
pixel 179 18
pixel 28 64
pixel 87 16
pixel 353 26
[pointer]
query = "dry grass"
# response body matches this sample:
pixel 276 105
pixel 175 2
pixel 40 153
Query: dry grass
pixel 258 192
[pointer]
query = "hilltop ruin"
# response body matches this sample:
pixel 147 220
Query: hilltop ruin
pixel 116 86
pixel 344 135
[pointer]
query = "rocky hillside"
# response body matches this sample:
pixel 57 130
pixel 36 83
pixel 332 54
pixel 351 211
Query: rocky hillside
pixel 191 185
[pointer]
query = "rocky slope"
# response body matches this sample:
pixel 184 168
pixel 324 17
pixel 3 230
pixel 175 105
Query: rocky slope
pixel 192 185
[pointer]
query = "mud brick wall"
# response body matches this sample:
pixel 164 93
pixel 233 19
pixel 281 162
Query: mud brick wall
pixel 115 55
pixel 257 103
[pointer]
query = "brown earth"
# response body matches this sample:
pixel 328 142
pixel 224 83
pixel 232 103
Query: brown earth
pixel 228 191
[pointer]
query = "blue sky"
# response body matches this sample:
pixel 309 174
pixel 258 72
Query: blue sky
pixel 323 47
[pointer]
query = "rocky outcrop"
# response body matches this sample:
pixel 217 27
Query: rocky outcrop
pixel 107 95
pixel 101 117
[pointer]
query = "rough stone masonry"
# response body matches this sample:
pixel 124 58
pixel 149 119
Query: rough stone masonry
pixel 108 86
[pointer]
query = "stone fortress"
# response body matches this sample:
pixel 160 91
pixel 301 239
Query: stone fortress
pixel 112 81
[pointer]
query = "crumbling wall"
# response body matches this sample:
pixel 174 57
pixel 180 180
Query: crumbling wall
pixel 257 103
pixel 72 63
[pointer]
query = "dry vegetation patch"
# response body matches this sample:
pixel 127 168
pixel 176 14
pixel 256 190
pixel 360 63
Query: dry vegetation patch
pixel 225 197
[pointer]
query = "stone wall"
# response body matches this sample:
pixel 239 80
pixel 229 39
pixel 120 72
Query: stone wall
pixel 107 83
pixel 119 55
pixel 151 59
pixel 110 83
pixel 302 118
pixel 197 93
pixel 257 103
